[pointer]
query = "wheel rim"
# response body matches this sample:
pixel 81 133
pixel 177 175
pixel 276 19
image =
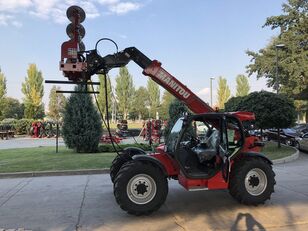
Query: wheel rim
pixel 141 189
pixel 255 182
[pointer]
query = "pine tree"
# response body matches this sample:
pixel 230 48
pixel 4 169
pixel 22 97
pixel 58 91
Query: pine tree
pixel 124 91
pixel 33 91
pixel 82 127
pixel 223 92
pixel 56 104
pixel 242 85
pixel 2 92
pixel 154 97
pixel 2 85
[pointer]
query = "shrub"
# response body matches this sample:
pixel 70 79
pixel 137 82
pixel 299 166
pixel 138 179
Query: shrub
pixel 109 147
pixel 22 126
pixel 82 128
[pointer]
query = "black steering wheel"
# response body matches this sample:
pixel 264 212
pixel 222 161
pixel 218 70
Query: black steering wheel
pixel 192 141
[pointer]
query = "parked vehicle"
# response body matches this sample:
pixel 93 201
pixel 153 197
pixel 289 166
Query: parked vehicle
pixel 301 128
pixel 218 155
pixel 287 135
pixel 302 142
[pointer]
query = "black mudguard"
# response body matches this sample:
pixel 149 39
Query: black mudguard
pixel 132 151
pixel 257 154
pixel 152 160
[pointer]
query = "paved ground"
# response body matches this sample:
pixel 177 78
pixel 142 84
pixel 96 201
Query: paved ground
pixel 28 142
pixel 62 203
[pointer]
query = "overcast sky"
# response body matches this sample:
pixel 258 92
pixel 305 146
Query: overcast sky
pixel 194 40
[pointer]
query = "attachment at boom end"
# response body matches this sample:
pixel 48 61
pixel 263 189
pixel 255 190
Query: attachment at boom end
pixel 72 62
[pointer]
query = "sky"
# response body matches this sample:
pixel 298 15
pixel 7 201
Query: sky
pixel 195 40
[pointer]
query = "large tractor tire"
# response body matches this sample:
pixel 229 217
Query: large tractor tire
pixel 124 157
pixel 140 188
pixel 252 181
pixel 117 163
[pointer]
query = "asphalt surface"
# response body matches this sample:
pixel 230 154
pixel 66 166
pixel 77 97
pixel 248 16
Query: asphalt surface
pixel 87 202
pixel 28 142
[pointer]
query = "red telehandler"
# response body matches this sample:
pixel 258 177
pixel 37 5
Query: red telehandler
pixel 204 151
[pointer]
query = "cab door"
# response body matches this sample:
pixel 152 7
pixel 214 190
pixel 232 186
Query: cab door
pixel 232 140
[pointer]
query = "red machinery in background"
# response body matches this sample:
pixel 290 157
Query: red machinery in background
pixel 218 154
pixel 152 131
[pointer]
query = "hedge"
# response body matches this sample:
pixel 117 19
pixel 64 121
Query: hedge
pixel 109 147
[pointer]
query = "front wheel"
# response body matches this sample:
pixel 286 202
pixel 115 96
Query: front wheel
pixel 140 187
pixel 252 181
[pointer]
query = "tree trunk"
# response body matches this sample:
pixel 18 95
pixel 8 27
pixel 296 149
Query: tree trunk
pixel 279 144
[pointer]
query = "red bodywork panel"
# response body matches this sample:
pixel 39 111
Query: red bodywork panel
pixel 176 88
pixel 215 182
pixel 244 115
pixel 173 170
pixel 171 166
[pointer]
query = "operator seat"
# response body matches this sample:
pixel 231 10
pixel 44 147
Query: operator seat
pixel 207 150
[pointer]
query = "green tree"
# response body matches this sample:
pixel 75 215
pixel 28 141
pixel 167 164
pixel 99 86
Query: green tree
pixel 124 91
pixel 101 97
pixel 2 92
pixel 2 85
pixel 223 92
pixel 140 103
pixel 233 103
pixel 271 110
pixel 242 85
pixel 154 97
pixel 33 91
pixel 176 110
pixel 11 108
pixel 56 104
pixel 166 101
pixel 82 128
pixel 292 60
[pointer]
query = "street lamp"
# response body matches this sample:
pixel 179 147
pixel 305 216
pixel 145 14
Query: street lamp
pixel 278 46
pixel 211 90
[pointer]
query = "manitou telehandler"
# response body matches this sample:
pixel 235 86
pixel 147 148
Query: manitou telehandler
pixel 205 151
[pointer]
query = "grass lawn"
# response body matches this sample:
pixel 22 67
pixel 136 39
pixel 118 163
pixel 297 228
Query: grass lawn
pixel 131 125
pixel 273 152
pixel 46 159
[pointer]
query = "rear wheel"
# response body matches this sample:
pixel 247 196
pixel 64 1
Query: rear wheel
pixel 252 181
pixel 117 163
pixel 124 157
pixel 140 187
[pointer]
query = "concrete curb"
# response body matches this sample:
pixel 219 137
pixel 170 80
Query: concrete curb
pixel 54 173
pixel 287 159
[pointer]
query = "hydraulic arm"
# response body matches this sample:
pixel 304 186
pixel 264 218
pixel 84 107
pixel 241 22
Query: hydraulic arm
pixel 79 65
pixel 153 69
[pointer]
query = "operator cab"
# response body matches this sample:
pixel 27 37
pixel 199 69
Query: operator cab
pixel 203 144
